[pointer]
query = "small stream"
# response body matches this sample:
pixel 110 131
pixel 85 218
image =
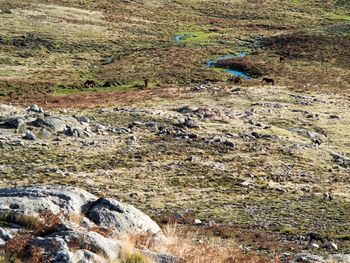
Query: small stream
pixel 248 43
pixel 230 71
pixel 241 54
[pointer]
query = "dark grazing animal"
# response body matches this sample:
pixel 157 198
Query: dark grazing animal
pixel 268 81
pixel 283 58
pixel 313 236
pixel 237 80
pixel 146 83
pixel 89 83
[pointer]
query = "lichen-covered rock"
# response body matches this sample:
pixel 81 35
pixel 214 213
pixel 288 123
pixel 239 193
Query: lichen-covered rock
pixel 108 212
pixel 53 198
pixel 65 238
pixel 15 122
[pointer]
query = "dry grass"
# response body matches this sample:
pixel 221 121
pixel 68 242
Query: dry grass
pixel 91 99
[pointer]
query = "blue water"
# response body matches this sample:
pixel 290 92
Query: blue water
pixel 235 72
pixel 230 71
pixel 179 37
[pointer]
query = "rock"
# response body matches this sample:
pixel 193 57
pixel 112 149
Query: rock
pixel 177 215
pixel 55 124
pixel 5 235
pixel 15 122
pixel 73 132
pixel 197 221
pixel 84 119
pixel 229 143
pixel 305 258
pixel 192 159
pixel 331 246
pixel 187 109
pixel 86 256
pixel 189 123
pixel 44 134
pixel 72 242
pixel 96 243
pixel 34 108
pixel 107 213
pixel 58 124
pixel 333 116
pixel 53 248
pixel 338 258
pixel 163 258
pixel 315 135
pixel 150 124
pixel 247 183
pixel 29 136
pixel 314 246
pixel 31 199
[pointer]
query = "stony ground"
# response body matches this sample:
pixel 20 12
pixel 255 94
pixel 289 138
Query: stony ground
pixel 263 157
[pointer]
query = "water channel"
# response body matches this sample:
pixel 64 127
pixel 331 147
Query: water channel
pixel 249 44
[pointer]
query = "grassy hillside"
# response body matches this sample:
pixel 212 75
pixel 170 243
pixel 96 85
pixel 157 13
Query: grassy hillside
pixel 264 187
pixel 54 46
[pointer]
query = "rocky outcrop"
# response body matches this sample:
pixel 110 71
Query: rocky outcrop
pixel 110 213
pixel 35 120
pixel 83 241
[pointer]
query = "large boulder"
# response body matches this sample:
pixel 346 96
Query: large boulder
pixel 84 240
pixel 110 213
pixel 54 198
pixel 58 124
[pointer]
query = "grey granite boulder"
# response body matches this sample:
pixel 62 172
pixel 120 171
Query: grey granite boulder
pixel 15 122
pixel 53 198
pixel 107 212
pixel 58 124
pixel 81 241
pixel 95 242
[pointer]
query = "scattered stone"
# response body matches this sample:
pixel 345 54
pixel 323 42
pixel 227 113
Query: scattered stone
pixel 197 221
pixel 189 123
pixel 192 159
pixel 177 215
pixel 314 246
pixel 331 246
pixel 187 109
pixel 151 124
pixel 229 143
pixel 29 136
pixel 84 119
pixel 305 258
pixel 9 11
pixel 15 122
pixel 5 235
pixel 35 108
pixel 163 258
pixel 339 258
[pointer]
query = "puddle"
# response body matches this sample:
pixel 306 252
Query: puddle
pixel 182 37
